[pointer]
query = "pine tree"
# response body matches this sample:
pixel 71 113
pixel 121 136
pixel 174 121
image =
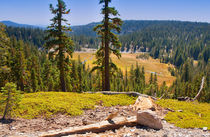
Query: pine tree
pixel 74 76
pixel 132 77
pixel 155 84
pixel 10 98
pixel 69 79
pixel 4 56
pixel 34 81
pixel 151 79
pixel 47 74
pixel 143 77
pixel 58 40
pixel 163 90
pixel 107 38
pixel 80 74
pixel 137 78
pixel 18 65
pixel 186 73
pixel 126 86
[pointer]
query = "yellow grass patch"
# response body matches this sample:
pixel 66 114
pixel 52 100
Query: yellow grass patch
pixel 127 59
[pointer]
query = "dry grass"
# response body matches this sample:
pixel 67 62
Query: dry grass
pixel 127 60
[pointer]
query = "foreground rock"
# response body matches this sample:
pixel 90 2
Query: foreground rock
pixel 144 103
pixel 148 103
pixel 150 119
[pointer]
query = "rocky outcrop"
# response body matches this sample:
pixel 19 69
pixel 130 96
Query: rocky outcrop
pixel 150 119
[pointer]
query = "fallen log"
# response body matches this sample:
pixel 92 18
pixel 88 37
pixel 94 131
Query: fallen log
pixel 134 94
pixel 102 126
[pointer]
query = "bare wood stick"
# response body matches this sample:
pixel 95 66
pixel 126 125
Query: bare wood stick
pixel 162 96
pixel 102 126
pixel 135 94
pixel 199 92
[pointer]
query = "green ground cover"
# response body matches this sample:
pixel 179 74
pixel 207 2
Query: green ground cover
pixel 46 104
pixel 192 115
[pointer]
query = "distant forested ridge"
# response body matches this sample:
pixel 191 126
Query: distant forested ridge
pixel 162 39
pixel 33 36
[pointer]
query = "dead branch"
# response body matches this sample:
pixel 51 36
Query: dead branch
pixel 134 94
pixel 199 92
pixel 162 96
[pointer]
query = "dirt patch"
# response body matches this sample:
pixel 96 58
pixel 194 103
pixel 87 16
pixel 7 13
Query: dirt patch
pixel 33 127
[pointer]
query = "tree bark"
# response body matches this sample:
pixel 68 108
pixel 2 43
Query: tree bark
pixel 106 24
pixel 62 73
pixel 61 55
pixel 7 106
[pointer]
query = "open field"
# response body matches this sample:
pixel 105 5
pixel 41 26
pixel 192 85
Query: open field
pixel 127 60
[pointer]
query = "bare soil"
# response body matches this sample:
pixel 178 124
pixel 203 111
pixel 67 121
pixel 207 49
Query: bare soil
pixel 33 127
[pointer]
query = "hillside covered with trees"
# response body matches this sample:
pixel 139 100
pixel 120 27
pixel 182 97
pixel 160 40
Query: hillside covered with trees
pixel 183 44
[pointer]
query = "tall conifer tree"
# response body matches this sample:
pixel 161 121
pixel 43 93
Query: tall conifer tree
pixel 4 55
pixel 57 40
pixel 110 41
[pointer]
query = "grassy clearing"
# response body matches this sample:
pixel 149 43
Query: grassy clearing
pixel 193 115
pixel 127 60
pixel 46 104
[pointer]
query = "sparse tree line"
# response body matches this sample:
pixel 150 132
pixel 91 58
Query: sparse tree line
pixel 50 67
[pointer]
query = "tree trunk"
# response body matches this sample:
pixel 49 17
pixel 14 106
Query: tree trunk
pixel 61 55
pixel 103 71
pixel 107 80
pixel 7 106
pixel 62 73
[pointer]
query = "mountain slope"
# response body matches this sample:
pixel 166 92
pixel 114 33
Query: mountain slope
pixel 130 26
pixel 14 24
pixel 162 39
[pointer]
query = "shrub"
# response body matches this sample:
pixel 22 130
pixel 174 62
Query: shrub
pixel 47 104
pixel 10 98
pixel 193 114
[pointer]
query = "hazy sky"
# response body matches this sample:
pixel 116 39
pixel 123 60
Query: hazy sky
pixel 36 12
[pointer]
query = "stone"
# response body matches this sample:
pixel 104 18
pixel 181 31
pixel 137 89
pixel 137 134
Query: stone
pixel 149 119
pixel 144 103
pixel 205 128
pixel 127 135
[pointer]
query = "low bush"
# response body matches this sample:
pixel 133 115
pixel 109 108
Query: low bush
pixel 187 114
pixel 46 104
